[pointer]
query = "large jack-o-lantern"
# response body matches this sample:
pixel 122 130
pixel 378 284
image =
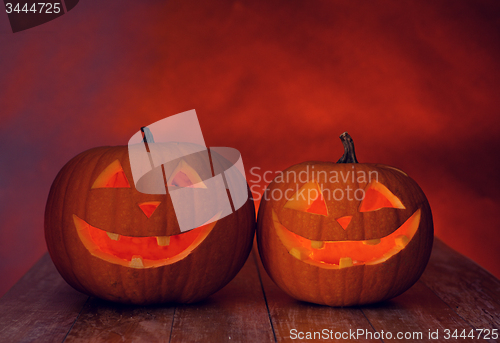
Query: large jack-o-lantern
pixel 344 233
pixel 111 241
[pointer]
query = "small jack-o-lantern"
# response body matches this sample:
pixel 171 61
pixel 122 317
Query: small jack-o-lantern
pixel 344 233
pixel 111 241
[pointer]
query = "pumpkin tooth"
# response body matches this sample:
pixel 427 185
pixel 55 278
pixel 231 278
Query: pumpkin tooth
pixel 300 253
pixel 163 240
pixel 136 262
pixel 317 244
pixel 113 236
pixel 372 241
pixel 345 262
pixel 401 241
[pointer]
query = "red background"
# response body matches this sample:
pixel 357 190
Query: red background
pixel 416 84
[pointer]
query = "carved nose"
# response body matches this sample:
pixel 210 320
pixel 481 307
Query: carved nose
pixel 344 221
pixel 149 207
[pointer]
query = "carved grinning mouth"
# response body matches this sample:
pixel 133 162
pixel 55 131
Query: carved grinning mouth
pixel 343 254
pixel 140 252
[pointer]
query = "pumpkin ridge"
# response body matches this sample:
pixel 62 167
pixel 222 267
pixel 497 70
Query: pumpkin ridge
pixel 100 153
pixel 62 232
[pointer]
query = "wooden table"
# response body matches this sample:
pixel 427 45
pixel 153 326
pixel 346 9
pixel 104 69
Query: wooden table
pixel 454 293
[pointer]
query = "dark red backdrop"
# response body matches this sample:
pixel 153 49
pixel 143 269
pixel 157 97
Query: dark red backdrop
pixel 415 83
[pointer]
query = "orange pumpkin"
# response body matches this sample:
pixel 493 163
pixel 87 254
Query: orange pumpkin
pixel 344 233
pixel 108 240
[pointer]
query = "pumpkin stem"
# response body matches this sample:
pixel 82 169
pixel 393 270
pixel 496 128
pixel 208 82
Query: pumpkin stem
pixel 349 154
pixel 148 136
pixel 148 139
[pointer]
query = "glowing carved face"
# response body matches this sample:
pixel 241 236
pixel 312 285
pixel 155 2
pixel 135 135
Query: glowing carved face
pixel 140 251
pixel 343 254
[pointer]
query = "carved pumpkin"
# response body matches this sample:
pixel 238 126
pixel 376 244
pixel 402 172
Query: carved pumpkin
pixel 111 241
pixel 344 233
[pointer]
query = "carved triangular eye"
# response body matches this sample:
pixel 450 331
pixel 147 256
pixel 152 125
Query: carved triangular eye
pixel 378 196
pixel 112 177
pixel 185 176
pixel 309 198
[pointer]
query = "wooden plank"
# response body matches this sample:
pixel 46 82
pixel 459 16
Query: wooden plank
pixel 467 288
pixel 41 307
pixel 291 317
pixel 237 313
pixel 102 321
pixel 454 293
pixel 415 312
